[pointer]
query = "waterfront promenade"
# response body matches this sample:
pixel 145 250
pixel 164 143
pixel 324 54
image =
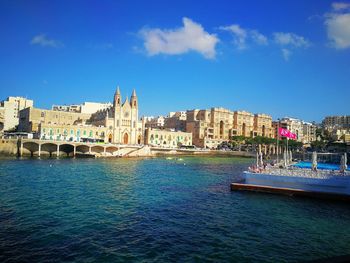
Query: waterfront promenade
pixel 36 147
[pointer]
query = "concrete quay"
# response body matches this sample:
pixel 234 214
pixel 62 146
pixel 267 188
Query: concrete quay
pixel 36 147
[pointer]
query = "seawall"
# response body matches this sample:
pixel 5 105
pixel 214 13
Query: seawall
pixel 11 147
pixel 8 147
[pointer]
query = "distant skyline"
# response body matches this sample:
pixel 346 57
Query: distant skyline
pixel 289 58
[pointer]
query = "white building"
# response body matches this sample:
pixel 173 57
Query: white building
pixel 154 122
pixel 294 125
pixel 86 107
pixel 92 107
pixel 305 131
pixel 9 111
pixel 309 132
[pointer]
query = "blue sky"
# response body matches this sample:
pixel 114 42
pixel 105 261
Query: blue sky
pixel 283 58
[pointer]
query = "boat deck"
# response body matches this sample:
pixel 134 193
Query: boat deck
pixel 289 191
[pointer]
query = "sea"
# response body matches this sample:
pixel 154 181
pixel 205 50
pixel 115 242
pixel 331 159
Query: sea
pixel 178 209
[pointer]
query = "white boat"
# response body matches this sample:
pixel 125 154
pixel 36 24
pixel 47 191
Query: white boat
pixel 325 181
pixel 291 180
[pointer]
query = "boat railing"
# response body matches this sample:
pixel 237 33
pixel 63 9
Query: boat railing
pixel 300 172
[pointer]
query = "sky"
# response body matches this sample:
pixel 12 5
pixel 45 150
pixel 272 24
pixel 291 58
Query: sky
pixel 283 58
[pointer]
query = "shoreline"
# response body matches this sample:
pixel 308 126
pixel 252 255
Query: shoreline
pixel 56 149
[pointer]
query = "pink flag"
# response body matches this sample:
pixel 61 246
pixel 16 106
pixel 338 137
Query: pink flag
pixel 287 133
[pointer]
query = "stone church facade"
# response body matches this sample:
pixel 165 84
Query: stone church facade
pixel 121 120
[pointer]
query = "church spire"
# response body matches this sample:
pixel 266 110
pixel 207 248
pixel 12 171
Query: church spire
pixel 133 93
pixel 133 100
pixel 117 98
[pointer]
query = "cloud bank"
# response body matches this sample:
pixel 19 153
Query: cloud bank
pixel 190 37
pixel 337 23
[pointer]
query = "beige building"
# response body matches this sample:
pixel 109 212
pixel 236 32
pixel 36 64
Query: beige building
pixel 154 122
pixel 309 132
pixel 117 124
pixel 340 134
pixel 122 119
pixel 75 133
pixel 167 138
pixel 211 127
pixel 336 122
pixel 9 111
pixel 31 119
pixel 176 121
pixel 263 126
pixel 243 124
pixel 293 125
pixel 305 131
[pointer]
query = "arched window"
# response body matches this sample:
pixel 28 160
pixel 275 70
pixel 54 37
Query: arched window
pixel 90 134
pixel 221 128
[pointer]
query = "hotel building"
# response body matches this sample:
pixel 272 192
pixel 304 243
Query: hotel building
pixel 9 111
pixel 167 138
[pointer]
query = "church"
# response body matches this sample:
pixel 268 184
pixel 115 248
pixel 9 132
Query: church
pixel 121 120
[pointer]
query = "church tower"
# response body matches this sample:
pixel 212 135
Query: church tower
pixel 117 98
pixel 117 106
pixel 134 116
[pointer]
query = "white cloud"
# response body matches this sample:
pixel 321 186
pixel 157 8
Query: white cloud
pixel 190 37
pixel 338 25
pixel 258 37
pixel 241 36
pixel 286 53
pixel 290 39
pixel 337 6
pixel 43 41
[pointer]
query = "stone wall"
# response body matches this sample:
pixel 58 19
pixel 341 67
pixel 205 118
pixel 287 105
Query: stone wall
pixel 8 146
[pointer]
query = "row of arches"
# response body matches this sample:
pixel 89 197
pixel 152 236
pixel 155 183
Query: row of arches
pixel 50 149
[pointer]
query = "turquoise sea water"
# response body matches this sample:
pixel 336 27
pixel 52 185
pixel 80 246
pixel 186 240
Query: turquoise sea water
pixel 321 166
pixel 157 210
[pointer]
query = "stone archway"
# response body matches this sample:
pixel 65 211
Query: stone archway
pixel 126 138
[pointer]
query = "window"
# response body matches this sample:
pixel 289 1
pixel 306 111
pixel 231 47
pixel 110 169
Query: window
pixel 71 132
pixel 90 134
pixel 42 114
pixel 84 132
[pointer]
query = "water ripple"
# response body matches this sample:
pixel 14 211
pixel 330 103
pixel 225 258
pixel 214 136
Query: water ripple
pixel 155 210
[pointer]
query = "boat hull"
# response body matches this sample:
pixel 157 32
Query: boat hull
pixel 327 186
